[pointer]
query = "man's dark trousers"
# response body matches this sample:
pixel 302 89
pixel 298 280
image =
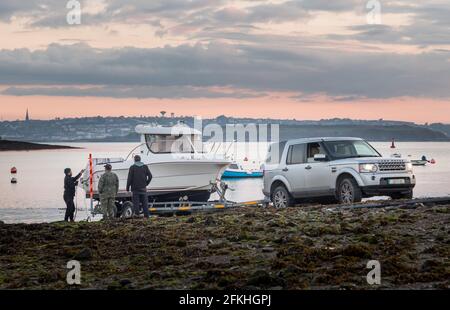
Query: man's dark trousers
pixel 70 208
pixel 138 198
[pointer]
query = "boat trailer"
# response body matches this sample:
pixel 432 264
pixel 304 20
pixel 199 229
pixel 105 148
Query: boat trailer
pixel 183 206
pixel 187 207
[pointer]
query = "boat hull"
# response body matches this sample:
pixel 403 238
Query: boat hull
pixel 171 180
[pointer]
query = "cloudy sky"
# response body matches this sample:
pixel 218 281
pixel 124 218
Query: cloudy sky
pixel 303 59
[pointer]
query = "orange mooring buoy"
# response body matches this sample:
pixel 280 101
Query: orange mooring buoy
pixel 393 144
pixel 13 170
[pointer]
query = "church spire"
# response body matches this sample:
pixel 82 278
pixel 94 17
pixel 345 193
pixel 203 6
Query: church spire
pixel 27 116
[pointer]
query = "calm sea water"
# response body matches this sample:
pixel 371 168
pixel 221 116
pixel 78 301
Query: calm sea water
pixel 37 197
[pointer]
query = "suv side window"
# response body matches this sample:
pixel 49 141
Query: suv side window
pixel 313 149
pixel 296 154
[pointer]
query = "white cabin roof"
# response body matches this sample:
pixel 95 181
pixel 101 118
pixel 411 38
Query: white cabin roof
pixel 160 130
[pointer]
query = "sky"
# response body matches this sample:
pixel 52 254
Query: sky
pixel 295 59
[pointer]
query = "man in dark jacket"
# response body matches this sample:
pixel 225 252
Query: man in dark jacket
pixel 69 193
pixel 139 177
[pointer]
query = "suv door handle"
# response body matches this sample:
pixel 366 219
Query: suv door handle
pixel 308 167
pixel 285 169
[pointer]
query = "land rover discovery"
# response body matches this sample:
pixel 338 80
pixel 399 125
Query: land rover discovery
pixel 343 169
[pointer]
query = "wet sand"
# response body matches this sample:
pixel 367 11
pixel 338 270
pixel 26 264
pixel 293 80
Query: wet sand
pixel 310 247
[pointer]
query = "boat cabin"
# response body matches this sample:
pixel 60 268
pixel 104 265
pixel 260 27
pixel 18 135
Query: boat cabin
pixel 169 140
pixel 234 166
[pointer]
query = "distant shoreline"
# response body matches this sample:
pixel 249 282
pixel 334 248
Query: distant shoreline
pixel 121 129
pixel 137 141
pixel 8 145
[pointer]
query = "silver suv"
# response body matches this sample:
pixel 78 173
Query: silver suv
pixel 344 169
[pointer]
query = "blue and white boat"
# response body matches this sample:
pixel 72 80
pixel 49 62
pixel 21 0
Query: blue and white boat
pixel 236 170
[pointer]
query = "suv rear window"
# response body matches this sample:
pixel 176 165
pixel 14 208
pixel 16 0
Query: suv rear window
pixel 296 154
pixel 275 152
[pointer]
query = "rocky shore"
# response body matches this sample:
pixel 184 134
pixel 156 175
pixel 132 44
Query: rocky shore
pixel 312 247
pixel 7 145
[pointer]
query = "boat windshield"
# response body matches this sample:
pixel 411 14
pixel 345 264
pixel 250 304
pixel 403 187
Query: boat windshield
pixel 350 149
pixel 173 143
pixel 233 166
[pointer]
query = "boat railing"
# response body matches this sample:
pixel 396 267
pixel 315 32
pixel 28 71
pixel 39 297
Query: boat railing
pixel 134 149
pixel 213 150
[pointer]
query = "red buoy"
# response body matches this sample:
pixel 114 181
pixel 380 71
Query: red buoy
pixel 13 170
pixel 432 161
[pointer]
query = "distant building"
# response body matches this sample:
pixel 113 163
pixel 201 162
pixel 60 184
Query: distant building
pixel 27 116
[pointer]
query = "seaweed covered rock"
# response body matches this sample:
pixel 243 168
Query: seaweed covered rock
pixel 84 254
pixel 312 247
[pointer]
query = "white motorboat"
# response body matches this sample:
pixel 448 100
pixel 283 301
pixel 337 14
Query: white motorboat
pixel 176 160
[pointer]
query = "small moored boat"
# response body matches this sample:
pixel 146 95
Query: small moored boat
pixel 236 170
pixel 423 161
pixel 419 162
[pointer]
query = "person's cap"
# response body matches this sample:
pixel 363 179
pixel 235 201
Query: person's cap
pixel 108 167
pixel 67 170
pixel 137 158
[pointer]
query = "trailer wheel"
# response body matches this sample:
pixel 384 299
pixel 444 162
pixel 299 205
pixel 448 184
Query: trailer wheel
pixel 127 210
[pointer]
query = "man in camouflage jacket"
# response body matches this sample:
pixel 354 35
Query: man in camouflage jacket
pixel 108 186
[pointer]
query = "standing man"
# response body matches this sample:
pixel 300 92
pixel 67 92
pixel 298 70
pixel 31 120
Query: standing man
pixel 69 193
pixel 139 177
pixel 108 186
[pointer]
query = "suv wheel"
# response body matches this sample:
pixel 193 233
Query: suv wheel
pixel 281 198
pixel 348 191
